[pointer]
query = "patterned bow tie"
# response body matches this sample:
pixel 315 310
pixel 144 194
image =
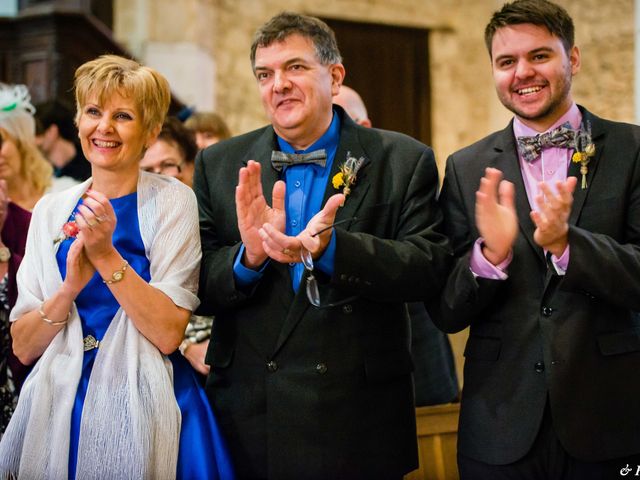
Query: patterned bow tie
pixel 530 147
pixel 281 159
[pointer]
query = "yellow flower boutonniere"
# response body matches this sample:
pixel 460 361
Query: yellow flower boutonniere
pixel 585 149
pixel 346 177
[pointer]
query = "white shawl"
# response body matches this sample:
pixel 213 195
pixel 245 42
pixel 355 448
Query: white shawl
pixel 130 420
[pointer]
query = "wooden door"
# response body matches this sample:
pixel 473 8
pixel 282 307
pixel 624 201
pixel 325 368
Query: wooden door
pixel 389 67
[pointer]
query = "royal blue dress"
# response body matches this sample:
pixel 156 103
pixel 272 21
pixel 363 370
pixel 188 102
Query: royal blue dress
pixel 202 453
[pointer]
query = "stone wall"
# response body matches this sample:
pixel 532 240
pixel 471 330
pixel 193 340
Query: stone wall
pixel 203 46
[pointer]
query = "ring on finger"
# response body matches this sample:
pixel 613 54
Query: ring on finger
pixel 91 224
pixel 101 218
pixel 287 252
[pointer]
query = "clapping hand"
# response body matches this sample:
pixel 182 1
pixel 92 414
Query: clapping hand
pixel 552 218
pixel 253 213
pixel 287 249
pixel 496 216
pixel 79 268
pixel 96 220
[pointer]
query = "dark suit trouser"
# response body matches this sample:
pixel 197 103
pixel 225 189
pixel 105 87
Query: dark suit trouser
pixel 548 460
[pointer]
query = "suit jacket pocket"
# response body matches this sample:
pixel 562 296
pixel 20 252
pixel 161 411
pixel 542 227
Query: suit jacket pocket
pixel 384 366
pixel 483 348
pixel 620 342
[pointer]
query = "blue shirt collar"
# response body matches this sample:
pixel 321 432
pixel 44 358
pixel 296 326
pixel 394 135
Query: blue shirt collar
pixel 329 140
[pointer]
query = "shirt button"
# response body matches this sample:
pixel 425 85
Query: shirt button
pixel 272 366
pixel 539 367
pixel 294 222
pixel 347 309
pixel 547 311
pixel 297 184
pixel 321 368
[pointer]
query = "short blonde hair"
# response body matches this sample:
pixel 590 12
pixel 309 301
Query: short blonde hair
pixel 18 125
pixel 109 74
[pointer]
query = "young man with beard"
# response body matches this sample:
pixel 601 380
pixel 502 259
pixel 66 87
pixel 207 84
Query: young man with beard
pixel 548 268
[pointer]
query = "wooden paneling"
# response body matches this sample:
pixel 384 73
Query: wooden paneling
pixel 44 50
pixel 437 438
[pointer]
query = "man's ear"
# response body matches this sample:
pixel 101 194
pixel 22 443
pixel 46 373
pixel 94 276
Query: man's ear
pixel 574 58
pixel 337 77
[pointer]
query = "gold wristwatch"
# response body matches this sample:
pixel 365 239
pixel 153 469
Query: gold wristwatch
pixel 5 254
pixel 118 275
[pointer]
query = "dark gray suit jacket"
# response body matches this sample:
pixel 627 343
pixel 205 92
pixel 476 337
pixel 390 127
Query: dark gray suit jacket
pixel 303 392
pixel 574 340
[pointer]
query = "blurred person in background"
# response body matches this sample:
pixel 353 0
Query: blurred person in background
pixel 208 127
pixel 173 154
pixel 24 177
pixel 57 138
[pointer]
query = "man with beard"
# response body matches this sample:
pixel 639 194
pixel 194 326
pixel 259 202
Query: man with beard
pixel 547 271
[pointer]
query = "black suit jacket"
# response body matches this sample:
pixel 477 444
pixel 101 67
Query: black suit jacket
pixel 303 392
pixel 574 340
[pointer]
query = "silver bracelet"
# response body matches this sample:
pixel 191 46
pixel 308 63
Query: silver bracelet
pixel 186 343
pixel 51 322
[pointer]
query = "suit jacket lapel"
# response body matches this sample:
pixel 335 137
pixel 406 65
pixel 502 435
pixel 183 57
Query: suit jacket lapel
pixel 349 143
pixel 506 160
pixel 580 194
pixel 350 146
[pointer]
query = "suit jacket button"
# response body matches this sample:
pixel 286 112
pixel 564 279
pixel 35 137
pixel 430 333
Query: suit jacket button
pixel 347 308
pixel 343 277
pixel 547 311
pixel 539 367
pixel 272 366
pixel 321 368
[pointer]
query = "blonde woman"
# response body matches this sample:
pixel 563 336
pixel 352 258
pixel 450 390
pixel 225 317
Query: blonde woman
pixel 24 177
pixel 22 166
pixel 105 291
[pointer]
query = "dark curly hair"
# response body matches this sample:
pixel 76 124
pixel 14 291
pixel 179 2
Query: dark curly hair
pixel 289 23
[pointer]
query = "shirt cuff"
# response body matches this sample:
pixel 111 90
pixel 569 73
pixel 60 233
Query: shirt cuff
pixel 483 268
pixel 246 277
pixel 561 263
pixel 326 262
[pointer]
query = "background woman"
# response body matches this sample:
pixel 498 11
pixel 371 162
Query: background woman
pixel 24 177
pixel 208 127
pixel 106 308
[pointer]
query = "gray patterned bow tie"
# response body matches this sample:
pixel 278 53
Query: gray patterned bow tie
pixel 561 137
pixel 281 159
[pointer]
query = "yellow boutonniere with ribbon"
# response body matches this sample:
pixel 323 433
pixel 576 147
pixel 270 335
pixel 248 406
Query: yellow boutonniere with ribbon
pixel 585 149
pixel 346 177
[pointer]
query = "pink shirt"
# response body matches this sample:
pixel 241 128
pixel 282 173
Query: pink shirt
pixel 550 167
